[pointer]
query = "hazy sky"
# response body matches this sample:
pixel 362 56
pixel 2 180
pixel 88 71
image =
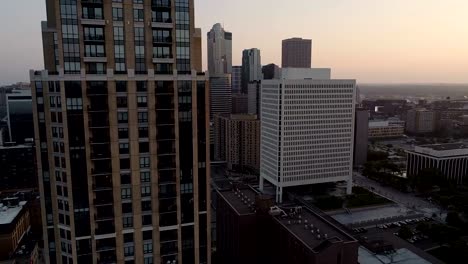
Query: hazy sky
pixel 369 40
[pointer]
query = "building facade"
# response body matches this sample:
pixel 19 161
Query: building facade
pixel 237 141
pixel 251 68
pixel 307 132
pixel 361 137
pixel 219 51
pixel 240 103
pixel 296 53
pixel 20 117
pixel 121 123
pixel 449 159
pixel 17 167
pixel 254 98
pixel 271 71
pixel 420 121
pixel 236 79
pixel 251 229
pixel 386 129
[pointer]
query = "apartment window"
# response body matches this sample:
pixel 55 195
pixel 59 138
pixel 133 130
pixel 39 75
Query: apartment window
pixel 122 101
pixel 144 162
pixel 125 178
pixel 93 50
pixel 125 164
pixel 162 52
pixel 126 193
pixel 123 133
pixel 121 86
pixel 161 17
pixel 138 1
pixel 148 260
pixel 142 101
pixel 147 247
pixel 138 15
pixel 128 251
pixel 127 208
pixel 162 36
pixel 142 117
pixel 145 176
pixel 147 220
pixel 91 33
pixel 143 132
pixel 128 238
pixel 117 14
pixel 122 117
pixel 74 104
pixel 142 86
pixel 144 147
pixel 124 148
pixel 92 13
pixel 127 221
pixel 145 191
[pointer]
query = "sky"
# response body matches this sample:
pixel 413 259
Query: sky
pixel 373 41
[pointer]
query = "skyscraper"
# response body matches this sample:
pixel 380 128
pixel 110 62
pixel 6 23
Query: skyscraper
pixel 251 67
pixel 236 78
pixel 219 51
pixel 121 124
pixel 271 71
pixel 297 53
pixel 307 132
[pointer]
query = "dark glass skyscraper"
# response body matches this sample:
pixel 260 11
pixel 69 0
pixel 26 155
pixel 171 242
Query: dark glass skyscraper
pixel 121 118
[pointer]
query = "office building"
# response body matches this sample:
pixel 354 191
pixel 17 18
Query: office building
pixel 271 71
pixel 236 79
pixel 240 103
pixel 254 94
pixel 307 136
pixel 251 68
pixel 220 95
pixel 451 160
pixel 252 229
pixel 420 121
pixel 121 124
pixel 237 141
pixel 296 53
pixel 219 51
pixel 17 167
pixel 386 129
pixel 20 116
pixel 361 137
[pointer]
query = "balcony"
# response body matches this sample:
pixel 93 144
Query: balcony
pixel 105 244
pixel 101 167
pixel 162 23
pixel 163 59
pixel 103 183
pixel 165 117
pixel 167 206
pixel 168 219
pixel 169 248
pixel 106 257
pixel 161 4
pixel 100 152
pixel 167 191
pixel 97 90
pixel 164 88
pixel 165 103
pixel 99 58
pixel 94 38
pixel 103 198
pixel 91 2
pixel 166 148
pixel 167 176
pixel 162 40
pixel 98 119
pixel 104 213
pixel 167 132
pixel 93 21
pixel 98 103
pixel 99 136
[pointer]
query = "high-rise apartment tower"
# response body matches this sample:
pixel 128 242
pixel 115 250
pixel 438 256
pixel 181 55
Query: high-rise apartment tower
pixel 121 124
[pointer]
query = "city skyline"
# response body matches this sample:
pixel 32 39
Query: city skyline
pixel 374 42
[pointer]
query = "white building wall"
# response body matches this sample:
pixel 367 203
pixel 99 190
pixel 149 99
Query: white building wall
pixel 312 126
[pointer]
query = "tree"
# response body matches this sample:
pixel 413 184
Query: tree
pixel 405 232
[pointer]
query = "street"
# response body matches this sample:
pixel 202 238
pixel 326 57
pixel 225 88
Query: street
pixel 407 199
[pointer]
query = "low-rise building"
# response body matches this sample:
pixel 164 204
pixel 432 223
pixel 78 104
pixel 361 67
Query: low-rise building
pixel 251 229
pixel 17 169
pixel 420 121
pixel 386 129
pixel 450 159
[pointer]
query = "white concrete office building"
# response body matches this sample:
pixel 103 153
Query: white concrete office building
pixel 307 129
pixel 450 159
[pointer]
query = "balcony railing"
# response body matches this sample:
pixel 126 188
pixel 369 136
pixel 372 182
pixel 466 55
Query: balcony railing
pixel 161 3
pixel 161 20
pixel 99 38
pixel 164 40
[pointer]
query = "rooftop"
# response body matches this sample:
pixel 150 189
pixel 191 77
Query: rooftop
pixel 312 229
pixel 8 214
pixel 449 146
pixel 243 200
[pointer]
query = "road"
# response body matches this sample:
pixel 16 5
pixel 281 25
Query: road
pixel 407 199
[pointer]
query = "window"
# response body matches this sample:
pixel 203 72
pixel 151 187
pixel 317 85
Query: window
pixel 125 178
pixel 145 191
pixel 127 208
pixel 92 13
pixel 143 132
pixel 142 101
pixel 142 117
pixel 147 247
pixel 162 52
pixel 126 193
pixel 145 176
pixel 148 260
pixel 74 104
pixel 144 162
pixel 144 147
pixel 125 164
pixel 91 33
pixel 123 133
pixel 138 15
pixel 128 238
pixel 121 86
pixel 122 117
pixel 117 14
pixel 124 148
pixel 142 86
pixel 128 251
pixel 127 221
pixel 122 101
pixel 93 50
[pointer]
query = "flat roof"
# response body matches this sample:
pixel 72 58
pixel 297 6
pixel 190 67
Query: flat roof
pixel 449 146
pixel 242 201
pixel 312 229
pixel 8 214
